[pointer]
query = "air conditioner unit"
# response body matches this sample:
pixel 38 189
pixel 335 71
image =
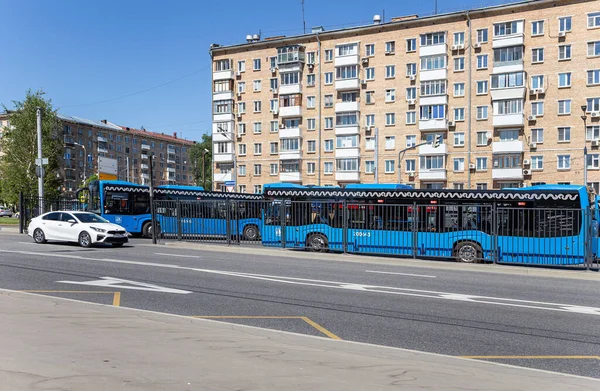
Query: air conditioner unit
pixel 562 34
pixel 411 102
pixel 389 52
pixel 282 126
pixel 451 124
pixel 239 94
pixel 531 118
pixel 274 111
pixel 454 47
pixel 595 114
pixel 471 166
pixel 533 145
pixel 239 116
pixel 477 45
pixel 595 143
pixel 363 82
pixel 460 46
pixel 411 173
pixel 532 91
pixel 413 77
pixel 526 162
pixel 539 91
pixel 273 70
pixel 365 61
pixel 526 172
pixel 238 73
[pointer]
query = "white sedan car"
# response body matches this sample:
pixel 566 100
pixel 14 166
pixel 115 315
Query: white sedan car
pixel 82 227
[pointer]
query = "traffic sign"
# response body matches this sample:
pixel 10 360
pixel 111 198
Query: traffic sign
pixel 229 183
pixel 41 161
pixel 39 171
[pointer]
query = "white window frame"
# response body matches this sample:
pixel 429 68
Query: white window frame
pixel 564 103
pixel 535 55
pixel 463 89
pixel 566 134
pixel 459 118
pixel 569 77
pixel 567 49
pixel 390 95
pixel 460 137
pixel 563 162
pixel 537 23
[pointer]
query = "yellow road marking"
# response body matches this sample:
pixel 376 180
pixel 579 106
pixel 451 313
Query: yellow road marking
pixel 310 322
pixel 116 295
pixel 117 299
pixel 534 357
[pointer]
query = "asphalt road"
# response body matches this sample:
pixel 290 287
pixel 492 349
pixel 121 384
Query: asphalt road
pixel 550 323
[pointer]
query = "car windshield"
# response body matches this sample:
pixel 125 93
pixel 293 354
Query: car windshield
pixel 90 218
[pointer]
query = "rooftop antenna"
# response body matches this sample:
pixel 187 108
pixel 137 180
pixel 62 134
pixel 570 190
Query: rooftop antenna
pixel 436 8
pixel 303 20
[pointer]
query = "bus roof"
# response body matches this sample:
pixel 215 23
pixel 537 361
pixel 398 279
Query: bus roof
pixel 378 186
pixel 553 187
pixel 181 187
pixel 119 183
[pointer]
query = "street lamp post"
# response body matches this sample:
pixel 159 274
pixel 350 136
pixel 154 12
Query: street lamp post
pixel 204 153
pixel 85 159
pixel 585 151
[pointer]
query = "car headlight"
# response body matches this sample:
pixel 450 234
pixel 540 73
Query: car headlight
pixel 98 229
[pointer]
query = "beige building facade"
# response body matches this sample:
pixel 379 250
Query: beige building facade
pixel 505 87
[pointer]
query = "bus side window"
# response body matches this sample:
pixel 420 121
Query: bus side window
pixel 141 204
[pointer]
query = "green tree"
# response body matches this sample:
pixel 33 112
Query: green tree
pixel 19 144
pixel 196 155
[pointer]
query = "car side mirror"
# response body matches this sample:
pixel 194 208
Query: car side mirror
pixel 71 221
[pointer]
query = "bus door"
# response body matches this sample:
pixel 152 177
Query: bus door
pixel 272 223
pixel 117 209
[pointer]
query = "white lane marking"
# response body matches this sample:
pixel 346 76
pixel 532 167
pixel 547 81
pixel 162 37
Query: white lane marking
pixel 501 301
pixel 179 255
pixel 111 282
pixel 400 274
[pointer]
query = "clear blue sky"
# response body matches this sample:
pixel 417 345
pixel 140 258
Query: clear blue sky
pixel 82 52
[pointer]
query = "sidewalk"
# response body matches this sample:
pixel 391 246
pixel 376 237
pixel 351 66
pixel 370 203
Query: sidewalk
pixel 58 344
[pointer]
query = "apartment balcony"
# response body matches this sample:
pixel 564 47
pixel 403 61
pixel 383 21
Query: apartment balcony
pixel 508 40
pixel 289 132
pixel 507 173
pixel 144 166
pixel 507 66
pixel 145 147
pixel 290 89
pixel 222 177
pixel 347 153
pixel 508 93
pixel 223 117
pixel 170 160
pixel 432 175
pixel 508 120
pixel 341 130
pixel 352 59
pixel 433 124
pixel 434 74
pixel 170 170
pixel 347 84
pixel 346 106
pixel 290 155
pixel 507 146
pixel 102 149
pixel 433 100
pixel 144 156
pixel 223 157
pixel 220 126
pixel 290 177
pixel 222 137
pixel 223 75
pixel 433 50
pixel 145 176
pixel 102 139
pixel 290 111
pixel 427 150
pixel 347 176
pixel 224 95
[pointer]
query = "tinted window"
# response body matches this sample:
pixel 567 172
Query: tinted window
pixel 52 216
pixel 66 217
pixel 90 218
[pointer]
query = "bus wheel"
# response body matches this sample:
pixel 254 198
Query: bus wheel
pixel 250 232
pixel 468 252
pixel 317 243
pixel 147 231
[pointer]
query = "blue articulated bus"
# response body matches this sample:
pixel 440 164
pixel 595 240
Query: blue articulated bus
pixel 128 205
pixel 547 224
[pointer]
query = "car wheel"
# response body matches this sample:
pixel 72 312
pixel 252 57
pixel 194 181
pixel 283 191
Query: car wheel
pixel 468 252
pixel 117 244
pixel 251 232
pixel 317 243
pixel 85 240
pixel 38 236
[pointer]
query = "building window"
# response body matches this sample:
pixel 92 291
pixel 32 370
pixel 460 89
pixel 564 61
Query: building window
pixel 537 109
pixel 242 149
pixel 369 167
pixel 274 168
pixel 411 93
pixel 593 49
pixel 274 148
pixel 482 138
pixel 328 145
pixel 311 124
pixel 257 148
pixel 564 24
pixel 411 165
pixel 256 64
pixel 411 117
pixel 390 119
pixel 564 134
pixel 256 85
pixel 310 168
pixel 390 142
pixel 346 72
pixel 459 164
pixel 310 80
pixel 431 63
pixel 257 169
pixel 274 105
pixel 482 35
pixel 537 163
pixel 459 64
pixel 411 69
pixel 537 81
pixel 593 21
pixel 257 188
pixel 347 165
pixel 592 133
pixel 459 89
pixel 370 73
pixel 564 162
pixel 311 102
pixel 482 61
pixel 537 55
pixel 390 47
pixel 482 87
pixel 482 113
pixel 311 146
pixel 346 49
pixel 328 122
pixel 411 45
pixel 482 186
pixel 564 107
pixel 310 57
pixel 328 55
pixel 390 71
pixel 241 107
pixel 564 52
pixel 328 167
pixel 431 39
pixel 564 80
pixel 347 141
pixel 370 50
pixel 593 161
pixel 257 127
pixel 537 28
pixel 241 66
pixel 428 112
pixel 370 120
pixel 328 100
pixel 481 163
pixel 346 119
pixel 430 88
pixel 369 97
pixel 369 143
pixel 328 78
pixel 242 169
pixel 537 136
pixel 390 166
pixel 257 106
pixel 411 141
pixel 593 77
pixel 431 162
pixel 390 95
pixel 510 106
pixel 459 139
pixel 593 104
pixel 459 114
pixel 506 28
pixel 459 38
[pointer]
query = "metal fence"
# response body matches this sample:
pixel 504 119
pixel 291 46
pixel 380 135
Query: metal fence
pixel 471 233
pixel 33 206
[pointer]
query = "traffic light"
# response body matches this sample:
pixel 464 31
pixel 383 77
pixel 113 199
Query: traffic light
pixel 438 140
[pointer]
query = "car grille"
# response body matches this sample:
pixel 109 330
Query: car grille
pixel 116 232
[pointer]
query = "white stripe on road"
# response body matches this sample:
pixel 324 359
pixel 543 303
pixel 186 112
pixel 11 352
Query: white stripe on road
pixel 399 274
pixel 179 255
pixel 464 298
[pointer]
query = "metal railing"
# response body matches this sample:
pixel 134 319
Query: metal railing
pixel 33 206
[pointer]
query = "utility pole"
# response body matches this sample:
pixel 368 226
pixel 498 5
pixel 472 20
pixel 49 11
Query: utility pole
pixel 127 167
pixel 152 210
pixel 585 150
pixel 40 161
pixel 376 168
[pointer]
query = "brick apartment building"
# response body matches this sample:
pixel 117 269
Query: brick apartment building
pixel 503 85
pixel 131 147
